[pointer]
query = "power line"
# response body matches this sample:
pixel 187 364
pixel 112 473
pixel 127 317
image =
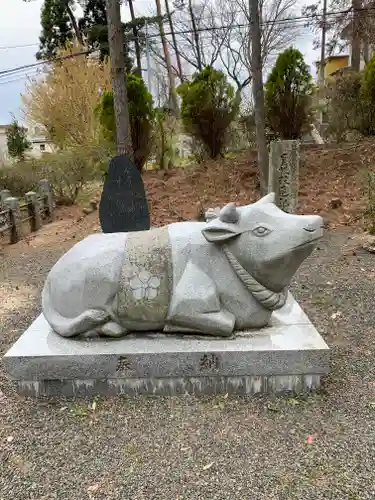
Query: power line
pixel 19 79
pixel 40 63
pixel 275 21
pixel 9 47
pixel 282 22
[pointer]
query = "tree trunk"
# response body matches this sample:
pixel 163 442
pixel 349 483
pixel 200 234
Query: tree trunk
pixel 196 36
pixel 120 98
pixel 171 27
pixel 356 35
pixel 136 42
pixel 172 85
pixel 256 70
pixel 73 20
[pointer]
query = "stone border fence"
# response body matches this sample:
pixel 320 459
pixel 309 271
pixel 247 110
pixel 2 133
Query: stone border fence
pixel 35 208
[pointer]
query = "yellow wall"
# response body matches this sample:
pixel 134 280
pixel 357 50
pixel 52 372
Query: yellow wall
pixel 333 64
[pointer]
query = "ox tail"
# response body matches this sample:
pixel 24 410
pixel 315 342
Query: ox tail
pixel 70 327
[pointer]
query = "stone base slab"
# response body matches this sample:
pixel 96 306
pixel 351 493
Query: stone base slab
pixel 198 386
pixel 288 355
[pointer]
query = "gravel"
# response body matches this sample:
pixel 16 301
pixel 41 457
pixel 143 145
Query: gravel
pixel 290 447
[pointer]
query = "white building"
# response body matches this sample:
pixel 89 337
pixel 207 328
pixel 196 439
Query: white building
pixel 39 143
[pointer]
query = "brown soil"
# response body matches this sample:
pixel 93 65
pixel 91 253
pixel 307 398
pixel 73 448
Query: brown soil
pixel 325 174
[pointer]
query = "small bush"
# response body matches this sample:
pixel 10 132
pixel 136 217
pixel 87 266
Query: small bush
pixel 343 99
pixel 165 137
pixel 20 177
pixel 351 102
pixel 141 118
pixel 209 105
pixel 288 96
pixel 68 172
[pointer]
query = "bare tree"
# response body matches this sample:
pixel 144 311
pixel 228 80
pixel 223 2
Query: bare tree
pixel 174 40
pixel 196 44
pixel 350 22
pixel 73 20
pixel 276 35
pixel 135 35
pixel 195 35
pixel 217 33
pixel 167 59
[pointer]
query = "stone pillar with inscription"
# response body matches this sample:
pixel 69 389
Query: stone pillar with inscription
pixel 284 174
pixel 45 190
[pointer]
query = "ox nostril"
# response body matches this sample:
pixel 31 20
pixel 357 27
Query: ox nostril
pixel 309 229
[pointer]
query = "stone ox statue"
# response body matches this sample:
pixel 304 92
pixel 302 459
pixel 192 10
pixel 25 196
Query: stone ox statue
pixel 202 277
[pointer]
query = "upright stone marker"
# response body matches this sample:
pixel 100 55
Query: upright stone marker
pixel 4 194
pixel 47 196
pixel 284 174
pixel 123 206
pixel 15 218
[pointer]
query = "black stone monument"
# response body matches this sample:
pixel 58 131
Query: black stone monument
pixel 123 205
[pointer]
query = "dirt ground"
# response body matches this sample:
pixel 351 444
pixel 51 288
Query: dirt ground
pixel 182 194
pixel 317 446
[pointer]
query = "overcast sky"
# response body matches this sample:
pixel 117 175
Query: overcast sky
pixel 20 25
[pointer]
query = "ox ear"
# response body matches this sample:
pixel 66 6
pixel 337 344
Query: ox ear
pixel 218 231
pixel 269 198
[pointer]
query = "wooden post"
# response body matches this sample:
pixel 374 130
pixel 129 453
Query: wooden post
pixel 284 174
pixel 46 193
pixel 12 204
pixel 33 207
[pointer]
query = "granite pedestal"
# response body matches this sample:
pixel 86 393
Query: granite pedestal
pixel 288 355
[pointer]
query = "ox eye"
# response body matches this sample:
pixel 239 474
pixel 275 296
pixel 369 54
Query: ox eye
pixel 261 231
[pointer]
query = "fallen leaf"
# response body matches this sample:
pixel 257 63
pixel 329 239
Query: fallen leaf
pixel 208 466
pixel 309 439
pixel 226 395
pixel 93 489
pixel 336 315
pixel 93 406
pixel 293 401
pixel 273 408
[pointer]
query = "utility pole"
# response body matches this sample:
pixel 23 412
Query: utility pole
pixel 323 47
pixel 256 71
pixel 120 97
pixel 148 60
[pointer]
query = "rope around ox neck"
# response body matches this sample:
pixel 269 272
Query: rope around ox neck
pixel 269 299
